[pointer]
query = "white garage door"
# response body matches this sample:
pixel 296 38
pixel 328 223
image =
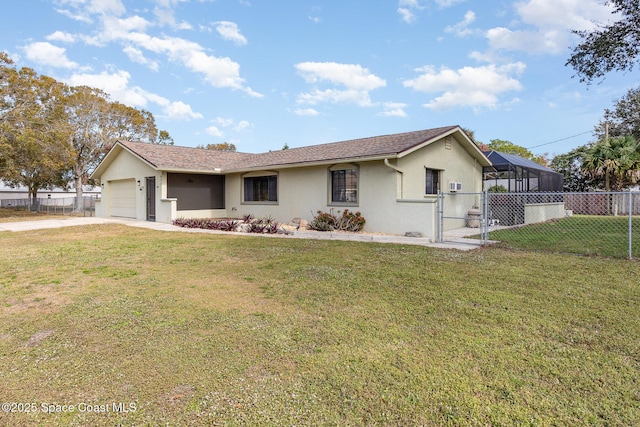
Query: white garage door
pixel 122 198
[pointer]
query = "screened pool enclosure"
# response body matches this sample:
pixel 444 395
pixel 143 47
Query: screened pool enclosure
pixel 519 175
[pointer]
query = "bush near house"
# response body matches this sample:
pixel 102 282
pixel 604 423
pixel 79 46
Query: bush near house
pixel 498 189
pixel 328 221
pixel 247 224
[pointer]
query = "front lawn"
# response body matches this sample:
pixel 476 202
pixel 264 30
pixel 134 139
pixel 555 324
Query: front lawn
pixel 196 329
pixel 579 234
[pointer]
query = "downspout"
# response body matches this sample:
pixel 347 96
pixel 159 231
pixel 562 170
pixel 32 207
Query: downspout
pixel 397 169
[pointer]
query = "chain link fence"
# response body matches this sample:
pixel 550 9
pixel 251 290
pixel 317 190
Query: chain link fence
pixel 80 206
pixel 594 223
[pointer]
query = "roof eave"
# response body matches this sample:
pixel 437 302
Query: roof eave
pixel 312 163
pixel 214 171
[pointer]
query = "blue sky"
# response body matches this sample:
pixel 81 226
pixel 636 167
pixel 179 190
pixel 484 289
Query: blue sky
pixel 262 74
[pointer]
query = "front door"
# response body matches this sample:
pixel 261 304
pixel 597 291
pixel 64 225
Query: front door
pixel 151 198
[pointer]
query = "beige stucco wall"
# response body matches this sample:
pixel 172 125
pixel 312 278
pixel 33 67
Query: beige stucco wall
pixel 456 165
pixel 392 201
pixel 446 155
pixel 303 191
pixel 126 166
pixel 540 212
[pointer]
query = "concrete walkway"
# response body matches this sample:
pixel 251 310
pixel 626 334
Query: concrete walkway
pixel 460 244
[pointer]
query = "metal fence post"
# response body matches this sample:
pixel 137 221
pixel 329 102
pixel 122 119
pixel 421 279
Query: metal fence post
pixel 485 215
pixel 630 225
pixel 438 218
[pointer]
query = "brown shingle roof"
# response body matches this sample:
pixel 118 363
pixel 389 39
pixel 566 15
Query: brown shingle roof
pixel 168 157
pixel 171 157
pixel 377 146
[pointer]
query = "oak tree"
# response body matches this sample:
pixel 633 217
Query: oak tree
pixel 623 119
pixel 33 130
pixel 609 47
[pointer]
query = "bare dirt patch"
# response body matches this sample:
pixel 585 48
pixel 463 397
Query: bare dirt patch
pixel 38 337
pixel 46 299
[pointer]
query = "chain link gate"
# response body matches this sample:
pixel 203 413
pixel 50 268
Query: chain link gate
pixel 587 223
pixel 462 216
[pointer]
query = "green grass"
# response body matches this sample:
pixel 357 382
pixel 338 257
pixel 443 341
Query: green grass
pixel 199 329
pixel 579 234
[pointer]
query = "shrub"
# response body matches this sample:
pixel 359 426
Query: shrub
pixel 262 225
pixel 351 221
pixel 328 221
pixel 498 189
pixel 205 223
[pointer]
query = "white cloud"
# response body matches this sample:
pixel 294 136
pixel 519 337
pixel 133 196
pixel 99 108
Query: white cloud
pixel 414 4
pixel 80 10
pixel 117 86
pixel 59 36
pixel 448 3
pixel 242 126
pixel 306 112
pixel 179 111
pixel 461 29
pixel 229 31
pixel 407 15
pixel 223 122
pixel 166 16
pixel 356 80
pixel 115 29
pixel 131 31
pixel 138 57
pixel 214 131
pixel 350 75
pixel 407 10
pixel 550 23
pixel 564 14
pixel 534 42
pixel 218 72
pixel 394 109
pixel 80 17
pixel 114 84
pixel 106 7
pixel 348 96
pixel 47 54
pixel 475 87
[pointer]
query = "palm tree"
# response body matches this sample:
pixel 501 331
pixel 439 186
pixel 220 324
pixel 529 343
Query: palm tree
pixel 617 160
